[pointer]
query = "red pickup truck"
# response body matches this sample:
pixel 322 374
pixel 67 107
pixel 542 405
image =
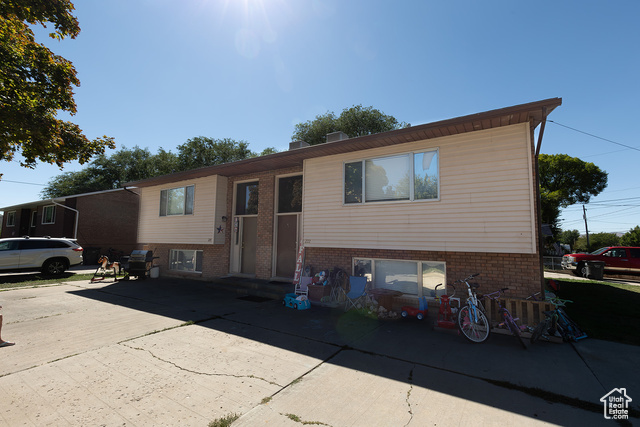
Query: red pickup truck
pixel 617 259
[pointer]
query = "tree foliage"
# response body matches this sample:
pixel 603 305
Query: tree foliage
pixel 127 165
pixel 203 151
pixel 596 241
pixel 631 238
pixel 564 181
pixel 355 121
pixel 106 173
pixel 569 237
pixel 36 84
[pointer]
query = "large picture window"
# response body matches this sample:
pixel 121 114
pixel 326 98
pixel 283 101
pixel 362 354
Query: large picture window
pixel 404 177
pixel 49 214
pixel 185 260
pixel 177 201
pixel 416 278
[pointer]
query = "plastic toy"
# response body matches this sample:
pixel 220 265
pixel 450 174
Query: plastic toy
pixel 419 313
pixel 298 302
pixel 445 314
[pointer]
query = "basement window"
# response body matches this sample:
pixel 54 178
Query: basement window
pixel 185 260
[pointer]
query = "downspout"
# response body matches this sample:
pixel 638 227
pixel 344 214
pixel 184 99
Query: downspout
pixel 539 197
pixel 75 231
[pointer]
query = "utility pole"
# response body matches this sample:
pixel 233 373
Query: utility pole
pixel 584 215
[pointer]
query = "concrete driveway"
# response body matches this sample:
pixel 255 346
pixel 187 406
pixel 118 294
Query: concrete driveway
pixel 172 352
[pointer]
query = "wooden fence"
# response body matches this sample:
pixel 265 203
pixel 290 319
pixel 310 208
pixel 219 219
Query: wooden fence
pixel 529 312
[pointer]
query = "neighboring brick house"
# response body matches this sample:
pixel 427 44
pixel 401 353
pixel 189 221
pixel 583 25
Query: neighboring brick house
pixel 410 208
pixel 106 220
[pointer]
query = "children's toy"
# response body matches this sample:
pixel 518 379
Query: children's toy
pixel 419 313
pixel 105 267
pixel 446 314
pixel 298 302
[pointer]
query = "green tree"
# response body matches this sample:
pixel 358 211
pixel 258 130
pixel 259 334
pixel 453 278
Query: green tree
pixel 569 237
pixel 36 84
pixel 126 165
pixel 266 151
pixel 597 241
pixel 203 151
pixel 564 181
pixel 355 121
pixel 631 238
pixel 106 173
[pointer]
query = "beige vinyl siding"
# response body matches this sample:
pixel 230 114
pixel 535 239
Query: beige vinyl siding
pixel 199 228
pixel 485 205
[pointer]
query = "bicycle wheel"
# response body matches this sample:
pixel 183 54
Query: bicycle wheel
pixel 476 331
pixel 508 320
pixel 572 327
pixel 539 330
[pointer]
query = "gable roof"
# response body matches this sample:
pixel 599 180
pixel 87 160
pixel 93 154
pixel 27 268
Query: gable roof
pixel 36 203
pixel 534 112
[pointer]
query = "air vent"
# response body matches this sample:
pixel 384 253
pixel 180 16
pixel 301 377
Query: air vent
pixel 298 144
pixel 336 136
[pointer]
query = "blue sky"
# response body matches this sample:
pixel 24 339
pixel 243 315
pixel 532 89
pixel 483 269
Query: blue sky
pixel 155 73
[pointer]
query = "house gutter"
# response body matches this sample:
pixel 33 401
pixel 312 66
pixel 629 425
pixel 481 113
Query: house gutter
pixel 75 231
pixel 543 122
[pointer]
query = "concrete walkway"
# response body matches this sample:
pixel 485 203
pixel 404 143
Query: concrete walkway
pixel 171 352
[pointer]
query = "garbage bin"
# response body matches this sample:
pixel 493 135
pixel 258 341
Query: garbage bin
pixel 594 270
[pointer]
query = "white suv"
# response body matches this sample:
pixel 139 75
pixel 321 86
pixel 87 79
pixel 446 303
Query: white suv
pixel 49 255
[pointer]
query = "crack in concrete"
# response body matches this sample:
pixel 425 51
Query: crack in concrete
pixel 202 373
pixel 408 399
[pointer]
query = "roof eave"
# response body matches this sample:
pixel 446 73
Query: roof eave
pixel 531 112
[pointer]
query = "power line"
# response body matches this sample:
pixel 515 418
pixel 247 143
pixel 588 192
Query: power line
pixel 21 182
pixel 595 136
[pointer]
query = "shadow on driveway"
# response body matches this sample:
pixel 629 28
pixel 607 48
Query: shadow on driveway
pixel 498 373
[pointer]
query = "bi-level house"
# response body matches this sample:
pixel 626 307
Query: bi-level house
pixel 410 208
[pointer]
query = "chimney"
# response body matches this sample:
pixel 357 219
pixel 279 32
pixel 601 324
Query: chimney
pixel 337 136
pixel 298 144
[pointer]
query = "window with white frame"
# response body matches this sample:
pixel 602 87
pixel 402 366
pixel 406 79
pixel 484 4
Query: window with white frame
pixel 416 278
pixel 49 214
pixel 402 177
pixel 177 201
pixel 185 260
pixel 11 219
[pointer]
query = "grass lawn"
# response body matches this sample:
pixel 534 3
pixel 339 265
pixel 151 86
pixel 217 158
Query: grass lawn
pixel 605 311
pixel 27 280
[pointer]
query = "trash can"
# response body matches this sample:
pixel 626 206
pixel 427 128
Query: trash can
pixel 594 270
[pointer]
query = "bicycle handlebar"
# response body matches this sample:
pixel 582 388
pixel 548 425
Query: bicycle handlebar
pixel 450 296
pixel 467 278
pixel 557 301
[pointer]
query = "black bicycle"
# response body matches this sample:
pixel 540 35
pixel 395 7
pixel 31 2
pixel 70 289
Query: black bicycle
pixel 559 321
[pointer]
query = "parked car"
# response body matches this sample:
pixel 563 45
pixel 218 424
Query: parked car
pixel 47 254
pixel 617 259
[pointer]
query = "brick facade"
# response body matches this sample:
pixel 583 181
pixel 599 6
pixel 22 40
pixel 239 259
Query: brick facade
pixel 518 272
pixel 106 220
pixel 217 258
